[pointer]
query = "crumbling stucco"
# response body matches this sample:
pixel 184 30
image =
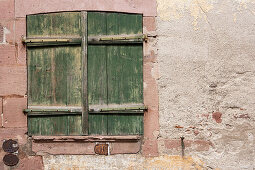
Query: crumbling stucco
pixel 207 78
pixel 131 162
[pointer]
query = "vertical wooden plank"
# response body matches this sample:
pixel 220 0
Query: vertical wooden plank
pixel 34 126
pixel 125 76
pixel 130 24
pixel 54 24
pixel 74 75
pixel 85 74
pixel 97 76
pixel 75 125
pixel 59 72
pixel 125 124
pixel 39 76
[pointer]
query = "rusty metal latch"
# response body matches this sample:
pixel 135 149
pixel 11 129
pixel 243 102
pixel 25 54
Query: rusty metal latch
pixel 102 149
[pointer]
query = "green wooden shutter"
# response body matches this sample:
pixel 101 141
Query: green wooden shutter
pixel 115 73
pixel 61 76
pixel 54 74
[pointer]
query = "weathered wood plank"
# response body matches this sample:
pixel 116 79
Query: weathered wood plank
pixel 39 76
pixel 75 125
pixel 125 124
pixel 84 61
pixel 97 77
pixel 125 76
pixel 54 24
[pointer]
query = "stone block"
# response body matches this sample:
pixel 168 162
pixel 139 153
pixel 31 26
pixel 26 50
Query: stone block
pixel 18 134
pixel 20 32
pixel 150 148
pixel 13 81
pixel 1 112
pixel 149 23
pixel 190 145
pixel 125 147
pixel 7 32
pixel 25 7
pixel 57 148
pixel 31 163
pixel 8 55
pixel 13 112
pixel 7 9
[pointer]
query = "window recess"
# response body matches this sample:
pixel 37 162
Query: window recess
pixel 85 73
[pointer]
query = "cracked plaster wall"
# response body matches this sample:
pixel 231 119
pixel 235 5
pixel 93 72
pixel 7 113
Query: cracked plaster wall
pixel 207 77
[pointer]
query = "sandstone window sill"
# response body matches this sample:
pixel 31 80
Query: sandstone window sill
pixel 84 145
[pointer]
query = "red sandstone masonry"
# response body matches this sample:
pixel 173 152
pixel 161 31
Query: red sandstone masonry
pixel 13 112
pixel 151 117
pixel 196 145
pixel 18 134
pixel 58 148
pixel 31 163
pixel 25 7
pixel 9 25
pixel 7 55
pixel 1 112
pixel 125 148
pixel 7 9
pixel 20 31
pixel 13 80
pixel 149 23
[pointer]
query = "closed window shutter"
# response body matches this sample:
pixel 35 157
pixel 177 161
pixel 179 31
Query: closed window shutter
pixel 115 74
pixel 68 79
pixel 54 74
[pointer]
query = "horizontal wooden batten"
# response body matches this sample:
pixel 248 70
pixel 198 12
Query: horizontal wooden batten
pixel 129 138
pixel 49 41
pixel 117 39
pixel 103 39
pixel 52 111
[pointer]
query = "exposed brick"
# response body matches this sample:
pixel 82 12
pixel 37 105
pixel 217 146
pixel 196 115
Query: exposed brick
pixel 125 148
pixel 13 80
pixel 149 23
pixel 197 145
pixel 7 9
pixel 217 117
pixel 7 55
pixel 13 112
